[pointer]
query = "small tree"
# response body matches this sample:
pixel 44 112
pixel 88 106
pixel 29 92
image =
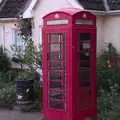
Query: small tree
pixel 25 32
pixel 29 56
pixel 18 55
pixel 39 55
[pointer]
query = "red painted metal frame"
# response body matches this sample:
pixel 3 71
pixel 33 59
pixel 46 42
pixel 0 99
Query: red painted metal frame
pixel 72 62
pixel 91 112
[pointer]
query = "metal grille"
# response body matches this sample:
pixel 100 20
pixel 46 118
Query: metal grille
pixel 56 70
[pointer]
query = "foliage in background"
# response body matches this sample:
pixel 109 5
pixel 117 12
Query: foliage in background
pixel 32 56
pixel 7 80
pixel 18 55
pixel 7 88
pixel 7 95
pixel 5 64
pixel 25 26
pixel 26 75
pixel 108 84
pixel 26 55
pixel 8 76
pixel 22 56
pixel 39 55
pixel 29 56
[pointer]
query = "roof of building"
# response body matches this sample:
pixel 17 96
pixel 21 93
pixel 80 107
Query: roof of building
pixel 114 4
pixel 100 4
pixel 11 8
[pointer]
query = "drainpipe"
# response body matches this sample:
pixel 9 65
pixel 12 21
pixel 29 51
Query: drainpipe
pixel 105 2
pixel 4 37
pixel 74 4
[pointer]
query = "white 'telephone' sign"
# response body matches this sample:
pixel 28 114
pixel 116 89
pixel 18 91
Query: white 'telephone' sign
pixel 57 22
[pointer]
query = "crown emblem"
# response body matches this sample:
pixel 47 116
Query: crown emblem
pixel 84 15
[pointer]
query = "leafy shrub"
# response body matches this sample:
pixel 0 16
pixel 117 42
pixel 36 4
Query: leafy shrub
pixel 7 88
pixel 106 76
pixel 4 61
pixel 7 95
pixel 25 75
pixel 8 77
pixel 109 89
pixel 104 105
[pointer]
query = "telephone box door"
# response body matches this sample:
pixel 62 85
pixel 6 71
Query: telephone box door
pixel 86 72
pixel 55 91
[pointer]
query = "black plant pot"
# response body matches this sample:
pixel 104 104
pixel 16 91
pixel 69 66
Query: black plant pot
pixel 24 91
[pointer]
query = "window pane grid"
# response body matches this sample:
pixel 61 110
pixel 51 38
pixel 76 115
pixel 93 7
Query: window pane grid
pixel 56 95
pixel 56 104
pixel 56 37
pixel 56 65
pixel 84 65
pixel 56 70
pixel 56 75
pixel 55 56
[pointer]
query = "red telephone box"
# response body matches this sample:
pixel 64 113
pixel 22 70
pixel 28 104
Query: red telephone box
pixel 69 65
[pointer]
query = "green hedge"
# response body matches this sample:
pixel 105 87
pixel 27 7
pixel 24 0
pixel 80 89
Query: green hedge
pixel 7 95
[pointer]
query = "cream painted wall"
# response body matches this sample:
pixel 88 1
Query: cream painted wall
pixel 108 27
pixel 42 8
pixel 100 34
pixel 112 31
pixel 6 34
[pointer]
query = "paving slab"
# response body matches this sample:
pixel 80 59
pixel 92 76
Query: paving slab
pixel 17 115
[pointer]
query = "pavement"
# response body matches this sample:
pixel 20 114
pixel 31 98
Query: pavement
pixel 17 115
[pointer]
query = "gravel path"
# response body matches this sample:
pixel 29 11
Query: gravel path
pixel 17 115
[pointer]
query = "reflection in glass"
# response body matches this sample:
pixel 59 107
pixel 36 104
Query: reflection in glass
pixel 85 56
pixel 84 75
pixel 56 65
pixel 84 46
pixel 54 84
pixel 56 95
pixel 56 104
pixel 85 84
pixel 84 65
pixel 55 56
pixel 85 37
pixel 55 75
pixel 56 70
pixel 56 37
pixel 55 47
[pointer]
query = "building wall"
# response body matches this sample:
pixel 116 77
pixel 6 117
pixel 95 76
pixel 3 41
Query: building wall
pixel 42 8
pixel 112 31
pixel 6 34
pixel 100 34
pixel 108 27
